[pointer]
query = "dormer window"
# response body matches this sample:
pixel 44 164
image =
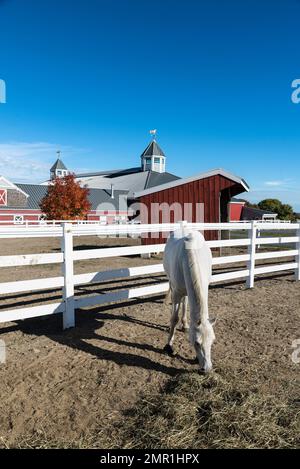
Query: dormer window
pixel 148 164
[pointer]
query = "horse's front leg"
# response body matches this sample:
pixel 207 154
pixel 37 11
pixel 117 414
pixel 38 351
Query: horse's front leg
pixel 185 324
pixel 174 320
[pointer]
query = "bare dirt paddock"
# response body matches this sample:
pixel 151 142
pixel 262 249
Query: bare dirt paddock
pixel 107 382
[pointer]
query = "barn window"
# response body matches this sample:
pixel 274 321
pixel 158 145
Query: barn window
pixel 3 197
pixel 43 219
pixel 18 219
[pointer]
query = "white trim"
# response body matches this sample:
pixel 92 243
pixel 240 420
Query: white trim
pixel 18 219
pixel 180 182
pixel 11 185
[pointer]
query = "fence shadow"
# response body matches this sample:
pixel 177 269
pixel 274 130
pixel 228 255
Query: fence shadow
pixel 88 324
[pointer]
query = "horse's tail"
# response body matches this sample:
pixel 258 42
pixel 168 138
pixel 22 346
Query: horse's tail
pixel 168 296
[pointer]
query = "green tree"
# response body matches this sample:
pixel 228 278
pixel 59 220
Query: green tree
pixel 284 211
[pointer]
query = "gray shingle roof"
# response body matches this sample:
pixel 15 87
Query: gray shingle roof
pixel 58 165
pixel 156 179
pixel 97 197
pixel 101 199
pixel 35 192
pixel 111 173
pixel 153 149
pixel 131 182
pixel 98 173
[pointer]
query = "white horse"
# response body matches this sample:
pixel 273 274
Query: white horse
pixel 188 265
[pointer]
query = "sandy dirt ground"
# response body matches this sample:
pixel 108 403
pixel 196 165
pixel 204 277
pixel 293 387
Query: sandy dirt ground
pixel 69 388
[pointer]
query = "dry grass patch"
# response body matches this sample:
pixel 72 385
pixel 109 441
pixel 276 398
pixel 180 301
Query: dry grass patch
pixel 196 411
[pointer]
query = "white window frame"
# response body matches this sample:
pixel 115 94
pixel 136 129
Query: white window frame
pixel 18 219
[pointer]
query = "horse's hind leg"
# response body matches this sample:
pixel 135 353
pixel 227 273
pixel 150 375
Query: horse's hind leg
pixel 174 320
pixel 185 324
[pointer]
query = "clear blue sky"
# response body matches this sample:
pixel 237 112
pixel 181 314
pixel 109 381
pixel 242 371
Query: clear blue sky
pixel 92 77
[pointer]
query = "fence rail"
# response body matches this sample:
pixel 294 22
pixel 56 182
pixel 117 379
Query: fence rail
pixel 68 280
pixel 124 230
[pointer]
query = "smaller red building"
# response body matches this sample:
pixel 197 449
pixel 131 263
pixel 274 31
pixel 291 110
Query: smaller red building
pixel 235 209
pixel 201 198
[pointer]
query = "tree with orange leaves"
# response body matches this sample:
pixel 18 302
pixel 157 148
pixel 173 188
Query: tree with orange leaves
pixel 66 200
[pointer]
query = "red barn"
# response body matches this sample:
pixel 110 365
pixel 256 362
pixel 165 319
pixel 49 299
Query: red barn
pixel 201 198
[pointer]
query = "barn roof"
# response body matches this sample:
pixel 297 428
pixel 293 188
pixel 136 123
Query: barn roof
pixel 127 180
pixel 35 194
pixel 97 197
pixel 180 182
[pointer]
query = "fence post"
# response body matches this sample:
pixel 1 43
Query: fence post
pixel 258 235
pixel 252 251
pixel 183 224
pixel 68 273
pixel 297 271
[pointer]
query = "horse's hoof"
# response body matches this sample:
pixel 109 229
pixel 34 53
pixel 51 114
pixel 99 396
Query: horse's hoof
pixel 204 371
pixel 169 350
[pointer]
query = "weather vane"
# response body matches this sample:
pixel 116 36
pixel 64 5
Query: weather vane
pixel 153 133
pixel 58 154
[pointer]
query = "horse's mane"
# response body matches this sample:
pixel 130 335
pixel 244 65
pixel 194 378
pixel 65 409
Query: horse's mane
pixel 194 244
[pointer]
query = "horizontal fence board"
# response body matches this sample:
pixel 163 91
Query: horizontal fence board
pixel 229 276
pixel 116 252
pixel 31 285
pixel 30 259
pixel 276 254
pixel 93 277
pixel 32 312
pixel 230 259
pixel 277 240
pixel 121 295
pixel 117 273
pixel 54 229
pixel 228 243
pixel 275 268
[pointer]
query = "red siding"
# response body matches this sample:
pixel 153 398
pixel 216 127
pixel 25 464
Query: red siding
pixel 206 191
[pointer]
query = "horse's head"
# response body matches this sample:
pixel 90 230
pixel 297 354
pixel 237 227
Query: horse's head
pixel 203 347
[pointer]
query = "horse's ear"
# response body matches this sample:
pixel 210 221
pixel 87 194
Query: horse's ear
pixel 213 320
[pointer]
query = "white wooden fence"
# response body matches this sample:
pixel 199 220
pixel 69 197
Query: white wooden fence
pixel 67 281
